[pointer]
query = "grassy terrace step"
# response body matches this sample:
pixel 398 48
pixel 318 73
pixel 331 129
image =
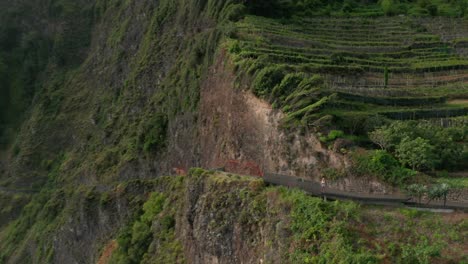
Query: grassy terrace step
pixel 327 66
pixel 332 31
pixel 405 54
pixel 400 80
pixel 344 23
pixel 378 61
pixel 378 92
pixel 363 47
pixel 376 105
pixel 384 47
pixel 416 40
pixel 393 101
pixel 292 57
pixel 329 40
pixel 400 114
pixel 416 63
pixel 349 31
pixel 342 34
pixel 327 53
pixel 450 91
pixel 426 113
pixel 403 34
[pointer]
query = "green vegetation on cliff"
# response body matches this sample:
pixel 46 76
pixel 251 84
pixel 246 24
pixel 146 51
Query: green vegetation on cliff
pixel 109 101
pixel 211 210
pixel 96 97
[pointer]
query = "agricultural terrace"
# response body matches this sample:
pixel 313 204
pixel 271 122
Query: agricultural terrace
pixel 401 68
pixel 397 83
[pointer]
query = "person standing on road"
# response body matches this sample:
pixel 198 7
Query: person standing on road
pixel 322 185
pixel 322 189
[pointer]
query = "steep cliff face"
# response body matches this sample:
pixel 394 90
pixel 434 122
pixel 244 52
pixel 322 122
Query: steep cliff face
pixel 127 91
pixel 114 115
pixel 115 100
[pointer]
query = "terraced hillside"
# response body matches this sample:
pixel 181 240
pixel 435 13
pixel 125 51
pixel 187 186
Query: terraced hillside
pixel 350 69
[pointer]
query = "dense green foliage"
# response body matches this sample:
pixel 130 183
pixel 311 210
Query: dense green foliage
pixel 435 192
pixel 423 145
pixel 454 182
pixel 439 192
pixel 301 229
pixel 383 165
pixel 417 153
pixel 94 110
pixel 266 80
pixel 417 191
pixel 321 231
pixel 136 237
pixel 154 137
pixel 422 237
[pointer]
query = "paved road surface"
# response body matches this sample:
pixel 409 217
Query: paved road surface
pixel 314 189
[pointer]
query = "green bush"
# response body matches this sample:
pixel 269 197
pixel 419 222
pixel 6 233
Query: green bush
pixel 154 137
pixel 384 166
pixel 417 153
pixel 135 238
pixel 332 135
pixel 422 145
pixel 289 83
pixel 417 191
pixel 266 80
pixel 439 192
pixel 420 251
pixel 320 231
pixel 234 47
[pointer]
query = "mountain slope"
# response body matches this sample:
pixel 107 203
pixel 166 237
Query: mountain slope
pixel 99 98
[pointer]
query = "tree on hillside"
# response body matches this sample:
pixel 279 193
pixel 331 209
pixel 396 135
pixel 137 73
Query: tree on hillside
pixel 439 192
pixel 417 153
pixel 447 153
pixel 381 137
pixel 417 190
